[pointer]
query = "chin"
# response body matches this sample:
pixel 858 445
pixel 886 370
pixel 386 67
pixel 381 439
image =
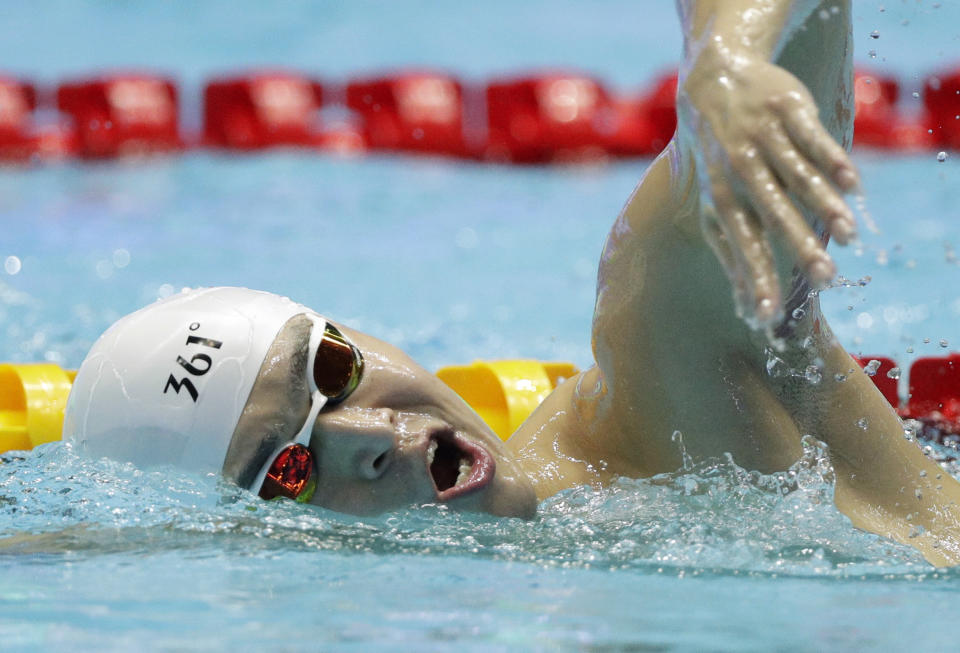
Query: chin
pixel 511 499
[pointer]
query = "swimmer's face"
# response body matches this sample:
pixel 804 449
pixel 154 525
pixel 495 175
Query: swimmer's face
pixel 402 437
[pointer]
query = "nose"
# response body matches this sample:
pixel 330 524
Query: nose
pixel 356 442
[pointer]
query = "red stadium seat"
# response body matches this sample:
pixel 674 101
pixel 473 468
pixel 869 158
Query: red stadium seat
pixel 935 388
pixel 881 378
pixel 262 110
pixel 877 121
pixel 941 97
pixel 545 118
pixel 414 112
pixel 122 114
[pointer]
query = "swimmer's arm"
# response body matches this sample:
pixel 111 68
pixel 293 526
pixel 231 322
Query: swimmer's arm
pixel 760 26
pixel 884 482
pixel 769 171
pixel 672 351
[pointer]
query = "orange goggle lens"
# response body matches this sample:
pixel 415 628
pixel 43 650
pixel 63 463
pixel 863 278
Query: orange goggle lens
pixel 337 366
pixel 290 475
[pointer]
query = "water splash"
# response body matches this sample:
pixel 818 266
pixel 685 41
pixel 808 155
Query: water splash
pixel 712 516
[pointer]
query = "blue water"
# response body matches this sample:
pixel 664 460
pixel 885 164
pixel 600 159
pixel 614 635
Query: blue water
pixel 452 262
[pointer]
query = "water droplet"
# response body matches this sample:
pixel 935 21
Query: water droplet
pixel 774 363
pixel 910 350
pixel 923 473
pixel 916 531
pixel 926 341
pixel 909 432
pixel 104 269
pixel 916 94
pixel 839 378
pixel 798 313
pixel 918 493
pixel 676 437
pixel 872 367
pixel 893 373
pixel 12 265
pixel 863 423
pixel 941 156
pixel 121 258
pixel 812 374
pixel 874 34
pixel 944 343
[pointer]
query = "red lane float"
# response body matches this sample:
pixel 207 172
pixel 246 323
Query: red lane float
pixel 534 119
pixel 413 112
pixel 20 138
pixel 252 112
pixel 122 115
pixel 17 102
pixel 877 122
pixel 646 124
pixel 941 97
pixel 558 117
pixel 935 392
pixel 881 377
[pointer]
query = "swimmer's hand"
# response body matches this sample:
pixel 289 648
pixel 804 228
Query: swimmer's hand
pixel 763 157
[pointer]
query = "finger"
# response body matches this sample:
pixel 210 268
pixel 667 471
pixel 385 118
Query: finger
pixel 780 216
pixel 713 234
pixel 751 255
pixel 818 146
pixel 805 181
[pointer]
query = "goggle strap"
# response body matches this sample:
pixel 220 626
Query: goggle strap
pixel 303 437
pixel 316 336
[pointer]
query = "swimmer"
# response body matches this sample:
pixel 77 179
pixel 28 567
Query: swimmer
pixel 710 271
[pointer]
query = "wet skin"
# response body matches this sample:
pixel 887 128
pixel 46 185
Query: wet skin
pixel 372 448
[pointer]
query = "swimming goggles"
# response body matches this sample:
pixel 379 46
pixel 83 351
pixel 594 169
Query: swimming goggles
pixel 334 368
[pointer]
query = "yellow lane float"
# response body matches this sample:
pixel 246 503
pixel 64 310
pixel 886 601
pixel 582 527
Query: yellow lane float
pixel 504 393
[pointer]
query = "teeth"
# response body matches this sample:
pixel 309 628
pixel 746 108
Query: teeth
pixel 431 452
pixel 465 468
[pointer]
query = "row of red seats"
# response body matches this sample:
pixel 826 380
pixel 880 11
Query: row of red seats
pixel 934 389
pixel 526 120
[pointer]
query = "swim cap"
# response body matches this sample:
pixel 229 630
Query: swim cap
pixel 168 383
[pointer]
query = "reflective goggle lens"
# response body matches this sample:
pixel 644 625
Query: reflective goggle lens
pixel 290 475
pixel 337 365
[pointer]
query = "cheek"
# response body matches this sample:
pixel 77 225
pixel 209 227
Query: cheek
pixel 401 486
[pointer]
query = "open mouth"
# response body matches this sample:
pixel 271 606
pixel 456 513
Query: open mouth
pixel 457 466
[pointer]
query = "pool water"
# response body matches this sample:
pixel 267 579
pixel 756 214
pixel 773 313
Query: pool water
pixel 452 262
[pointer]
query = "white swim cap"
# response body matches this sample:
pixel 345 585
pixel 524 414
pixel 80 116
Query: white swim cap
pixel 168 383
